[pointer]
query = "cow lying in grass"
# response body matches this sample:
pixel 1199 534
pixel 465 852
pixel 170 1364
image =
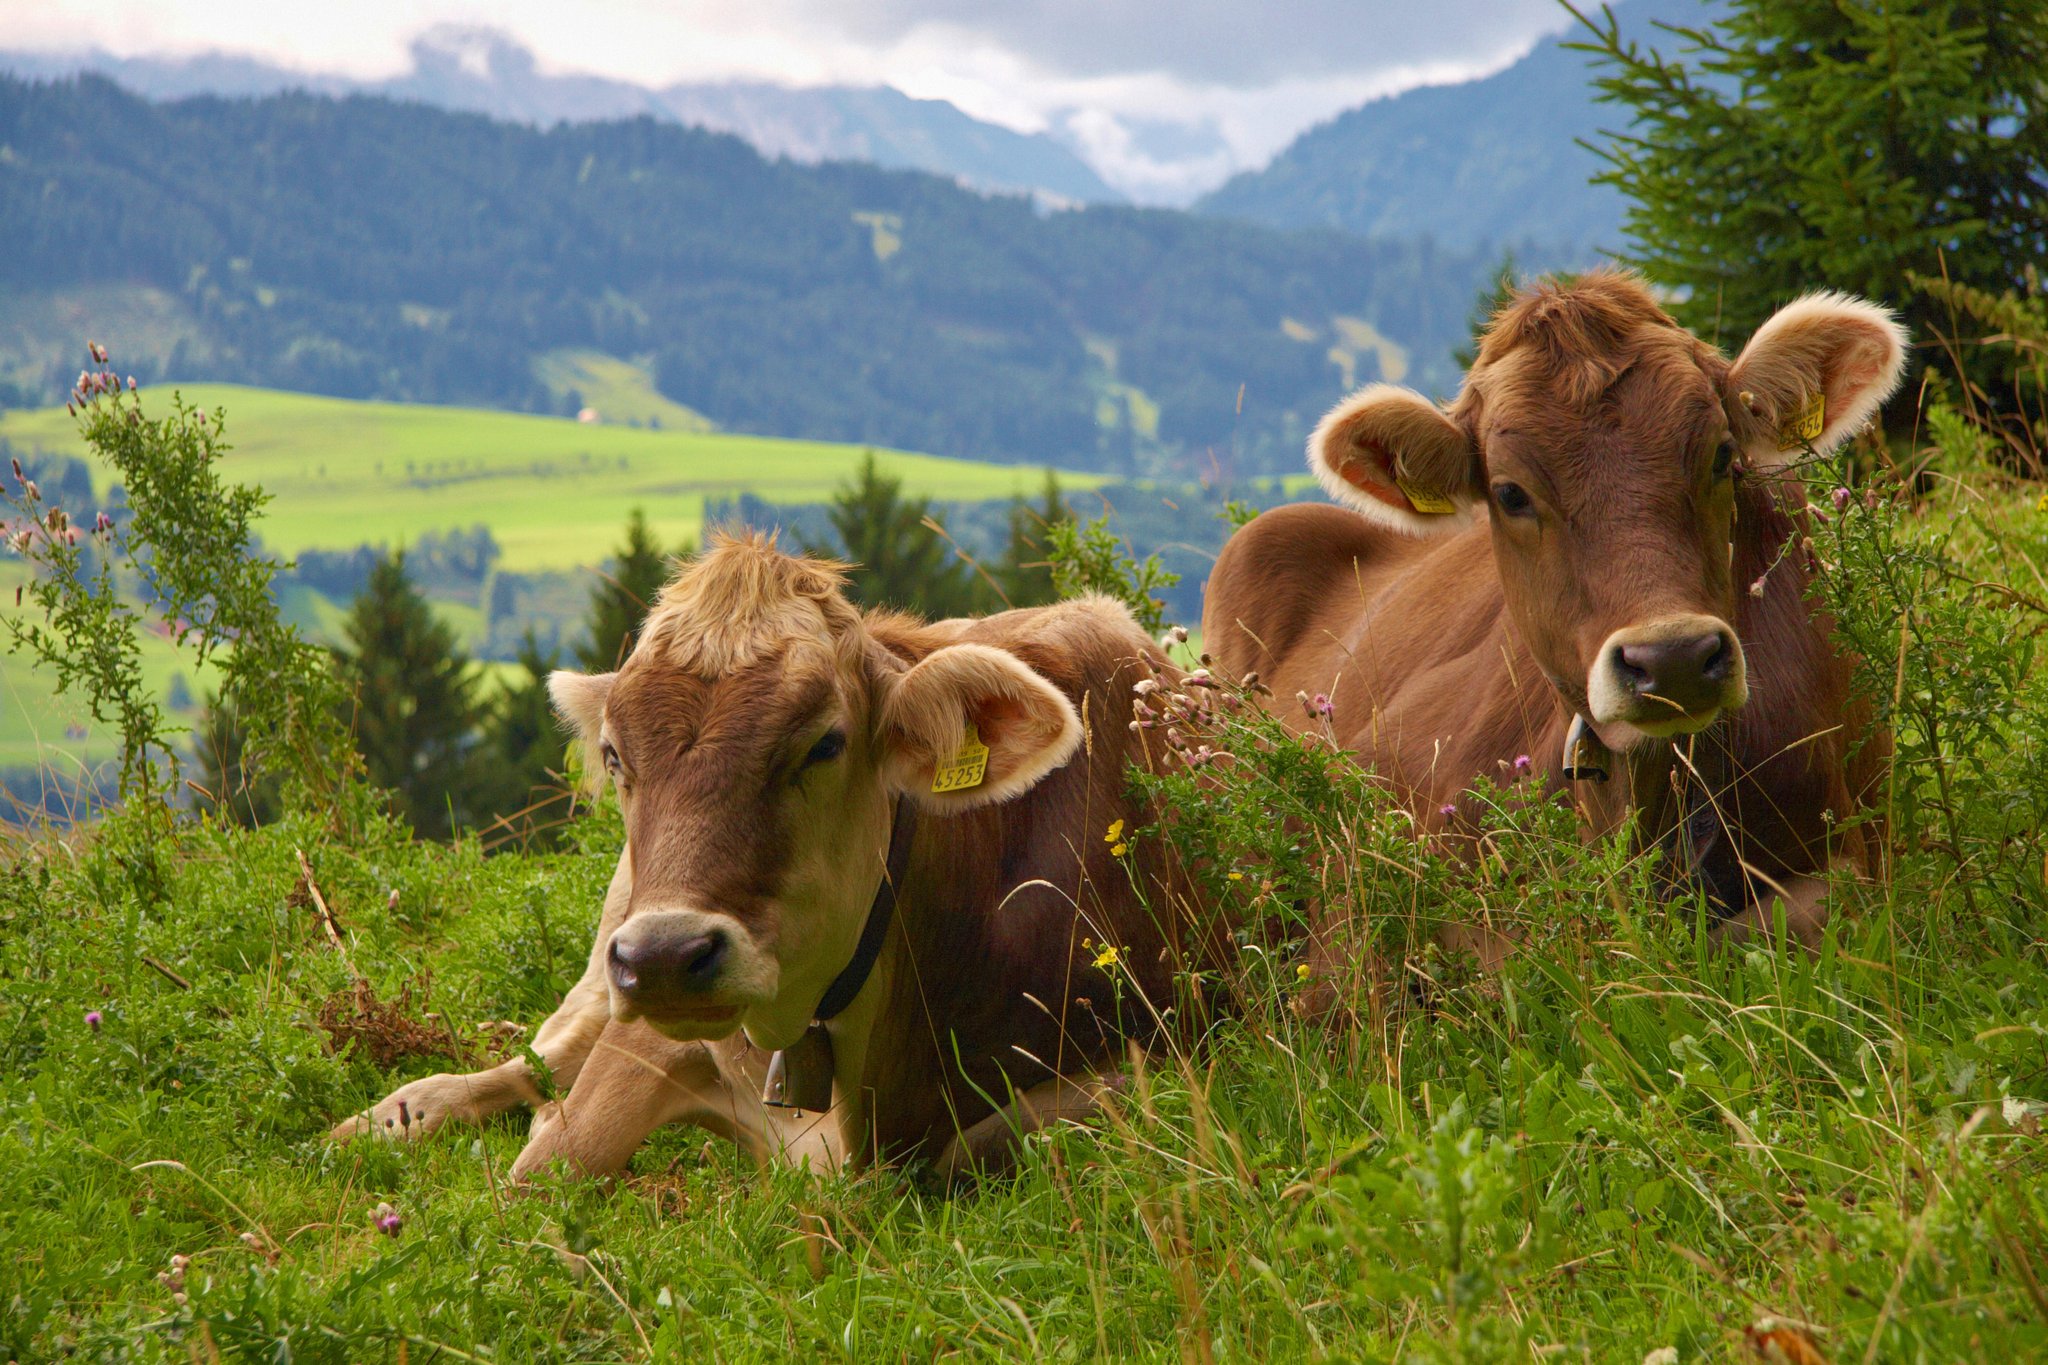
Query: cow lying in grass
pixel 870 844
pixel 1634 586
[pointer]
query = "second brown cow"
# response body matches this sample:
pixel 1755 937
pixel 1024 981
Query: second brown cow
pixel 871 845
pixel 1600 528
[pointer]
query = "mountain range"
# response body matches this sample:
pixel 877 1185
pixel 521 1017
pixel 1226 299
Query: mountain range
pixel 484 71
pixel 374 248
pixel 1488 164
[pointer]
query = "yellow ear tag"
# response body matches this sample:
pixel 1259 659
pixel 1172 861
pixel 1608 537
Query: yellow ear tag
pixel 965 769
pixel 1805 426
pixel 1424 500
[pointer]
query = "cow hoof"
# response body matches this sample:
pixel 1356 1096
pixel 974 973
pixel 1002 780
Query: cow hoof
pixel 410 1112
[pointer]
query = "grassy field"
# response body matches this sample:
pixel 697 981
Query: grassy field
pixel 553 491
pixel 1625 1143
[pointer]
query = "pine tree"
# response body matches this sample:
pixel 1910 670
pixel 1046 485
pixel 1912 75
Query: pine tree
pixel 898 560
pixel 1798 145
pixel 412 701
pixel 619 603
pixel 521 794
pixel 1024 573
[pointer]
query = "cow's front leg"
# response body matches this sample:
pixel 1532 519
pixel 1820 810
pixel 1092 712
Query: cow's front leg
pixel 991 1147
pixel 419 1107
pixel 636 1081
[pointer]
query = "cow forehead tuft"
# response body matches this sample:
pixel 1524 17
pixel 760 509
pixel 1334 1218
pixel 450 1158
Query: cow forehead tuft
pixel 743 601
pixel 1560 348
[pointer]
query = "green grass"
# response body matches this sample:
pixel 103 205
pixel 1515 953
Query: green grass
pixel 553 491
pixel 1650 1144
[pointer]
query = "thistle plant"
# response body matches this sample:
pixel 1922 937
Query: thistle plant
pixel 183 559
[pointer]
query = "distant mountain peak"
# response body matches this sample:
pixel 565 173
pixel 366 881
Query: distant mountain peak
pixel 1493 163
pixel 480 51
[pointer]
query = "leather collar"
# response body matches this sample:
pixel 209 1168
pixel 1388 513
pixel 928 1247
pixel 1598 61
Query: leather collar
pixel 847 984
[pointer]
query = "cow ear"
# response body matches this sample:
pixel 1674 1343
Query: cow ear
pixel 969 725
pixel 579 700
pixel 1813 376
pixel 1394 456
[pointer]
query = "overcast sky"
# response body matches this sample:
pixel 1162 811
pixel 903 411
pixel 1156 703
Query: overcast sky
pixel 1175 90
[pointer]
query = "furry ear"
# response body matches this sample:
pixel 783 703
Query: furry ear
pixel 1813 376
pixel 969 725
pixel 1394 456
pixel 579 700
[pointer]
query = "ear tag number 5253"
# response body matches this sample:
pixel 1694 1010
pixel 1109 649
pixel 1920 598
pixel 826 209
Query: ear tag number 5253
pixel 966 768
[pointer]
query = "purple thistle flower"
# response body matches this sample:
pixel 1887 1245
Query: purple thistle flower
pixel 1320 705
pixel 1840 498
pixel 1521 763
pixel 1447 810
pixel 92 1020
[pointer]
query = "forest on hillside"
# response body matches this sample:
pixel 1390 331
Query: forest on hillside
pixel 367 248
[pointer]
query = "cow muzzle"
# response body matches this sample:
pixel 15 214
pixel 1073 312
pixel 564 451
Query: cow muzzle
pixel 688 974
pixel 1673 676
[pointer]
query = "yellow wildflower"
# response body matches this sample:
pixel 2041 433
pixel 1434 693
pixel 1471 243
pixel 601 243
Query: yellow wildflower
pixel 1235 876
pixel 1119 850
pixel 2041 503
pixel 1303 972
pixel 1116 832
pixel 1109 956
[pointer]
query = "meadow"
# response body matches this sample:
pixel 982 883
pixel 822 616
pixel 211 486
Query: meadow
pixel 553 491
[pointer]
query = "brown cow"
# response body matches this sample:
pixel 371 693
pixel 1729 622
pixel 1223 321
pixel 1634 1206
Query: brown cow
pixel 891 827
pixel 1636 569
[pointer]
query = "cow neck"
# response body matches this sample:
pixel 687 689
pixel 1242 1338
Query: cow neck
pixel 846 985
pixel 801 1075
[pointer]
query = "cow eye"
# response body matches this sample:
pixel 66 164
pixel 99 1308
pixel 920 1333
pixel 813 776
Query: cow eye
pixel 830 745
pixel 1724 459
pixel 1513 499
pixel 610 756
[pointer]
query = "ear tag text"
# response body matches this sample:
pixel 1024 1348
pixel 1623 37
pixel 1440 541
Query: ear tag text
pixel 1427 501
pixel 1805 426
pixel 965 769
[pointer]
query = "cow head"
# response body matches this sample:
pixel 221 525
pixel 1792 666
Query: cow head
pixel 758 738
pixel 1603 441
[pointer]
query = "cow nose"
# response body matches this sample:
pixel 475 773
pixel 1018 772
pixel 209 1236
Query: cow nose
pixel 1688 671
pixel 664 966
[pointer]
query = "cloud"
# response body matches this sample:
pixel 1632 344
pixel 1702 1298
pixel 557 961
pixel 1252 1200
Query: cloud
pixel 1228 43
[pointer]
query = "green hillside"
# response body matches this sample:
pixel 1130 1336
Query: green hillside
pixel 553 491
